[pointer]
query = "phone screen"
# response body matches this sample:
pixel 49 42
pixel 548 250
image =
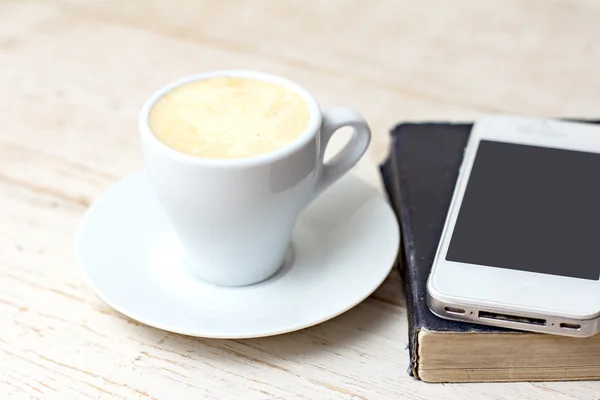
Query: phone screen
pixel 531 208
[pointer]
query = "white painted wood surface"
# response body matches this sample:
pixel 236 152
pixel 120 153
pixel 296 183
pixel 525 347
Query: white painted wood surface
pixel 73 75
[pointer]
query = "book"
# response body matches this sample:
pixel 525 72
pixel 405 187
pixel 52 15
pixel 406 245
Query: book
pixel 419 177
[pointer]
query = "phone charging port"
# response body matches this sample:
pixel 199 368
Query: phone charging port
pixel 512 318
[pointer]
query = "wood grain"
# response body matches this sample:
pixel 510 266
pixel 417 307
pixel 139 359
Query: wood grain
pixel 73 75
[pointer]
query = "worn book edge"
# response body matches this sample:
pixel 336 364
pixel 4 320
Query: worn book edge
pixel 536 357
pixel 390 180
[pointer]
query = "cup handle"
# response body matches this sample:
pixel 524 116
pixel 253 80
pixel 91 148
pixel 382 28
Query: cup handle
pixel 342 162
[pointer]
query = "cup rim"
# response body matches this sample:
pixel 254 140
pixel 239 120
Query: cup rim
pixel 311 130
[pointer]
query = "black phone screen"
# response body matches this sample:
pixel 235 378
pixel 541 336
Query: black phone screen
pixel 531 208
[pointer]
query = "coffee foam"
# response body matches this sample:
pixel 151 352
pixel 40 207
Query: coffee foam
pixel 228 117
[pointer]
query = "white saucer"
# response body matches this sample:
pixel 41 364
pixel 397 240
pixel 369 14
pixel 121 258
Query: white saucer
pixel 343 247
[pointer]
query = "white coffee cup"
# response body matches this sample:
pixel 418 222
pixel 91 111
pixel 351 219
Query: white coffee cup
pixel 235 217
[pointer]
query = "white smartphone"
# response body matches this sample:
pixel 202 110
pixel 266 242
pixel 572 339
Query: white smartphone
pixel 521 244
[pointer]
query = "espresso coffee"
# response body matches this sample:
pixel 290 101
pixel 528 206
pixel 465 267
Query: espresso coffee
pixel 227 117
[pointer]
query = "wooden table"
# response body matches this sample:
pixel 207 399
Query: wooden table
pixel 73 75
